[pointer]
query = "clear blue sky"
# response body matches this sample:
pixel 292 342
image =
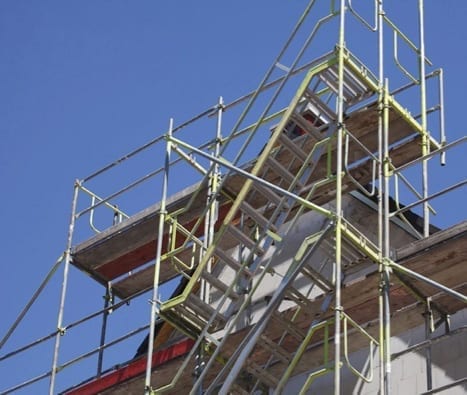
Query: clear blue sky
pixel 83 82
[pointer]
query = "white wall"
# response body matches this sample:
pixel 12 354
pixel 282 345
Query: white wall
pixel 408 376
pixel 359 214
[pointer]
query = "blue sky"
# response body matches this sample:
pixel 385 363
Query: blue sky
pixel 84 82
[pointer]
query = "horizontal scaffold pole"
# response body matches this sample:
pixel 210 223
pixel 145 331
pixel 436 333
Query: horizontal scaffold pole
pixel 367 248
pixel 420 277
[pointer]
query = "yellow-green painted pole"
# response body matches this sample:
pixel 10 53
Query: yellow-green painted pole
pixel 385 274
pixel 155 303
pixel 338 233
pixel 382 107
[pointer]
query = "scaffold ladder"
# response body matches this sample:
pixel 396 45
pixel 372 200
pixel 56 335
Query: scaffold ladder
pixel 277 347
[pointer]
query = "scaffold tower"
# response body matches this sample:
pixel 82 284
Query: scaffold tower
pixel 279 246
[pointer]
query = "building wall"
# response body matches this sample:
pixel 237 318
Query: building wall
pixel 408 375
pixel 359 214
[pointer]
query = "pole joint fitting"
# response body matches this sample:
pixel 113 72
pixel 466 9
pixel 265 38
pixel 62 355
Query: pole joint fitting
pixel 156 303
pixel 148 390
pixel 386 262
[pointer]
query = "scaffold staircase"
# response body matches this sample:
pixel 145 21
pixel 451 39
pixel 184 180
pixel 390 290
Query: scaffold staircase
pixel 270 352
pixel 278 188
pixel 243 375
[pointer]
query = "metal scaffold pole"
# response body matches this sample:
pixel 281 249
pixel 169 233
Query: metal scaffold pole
pixel 423 109
pixel 338 233
pixel 428 315
pixel 60 330
pixel 209 230
pixel 382 376
pixel 108 299
pixel 155 302
pixel 385 270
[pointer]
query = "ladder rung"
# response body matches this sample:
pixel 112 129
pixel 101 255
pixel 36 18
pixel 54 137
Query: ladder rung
pixel 275 349
pixel 188 318
pixel 318 278
pixel 257 217
pixel 322 108
pixel 300 299
pixel 267 193
pixel 292 147
pixel 262 374
pixel 354 88
pixel 245 240
pixel 221 286
pixel 190 328
pixel 227 259
pixel 308 127
pixel 350 253
pixel 203 309
pixel 289 326
pixel 331 81
pixel 281 170
pixel 352 81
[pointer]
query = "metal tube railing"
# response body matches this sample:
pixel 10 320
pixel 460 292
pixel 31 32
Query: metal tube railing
pixel 65 328
pixel 432 196
pixel 31 301
pixel 362 19
pixel 75 360
pixel 64 290
pixel 149 144
pixel 444 148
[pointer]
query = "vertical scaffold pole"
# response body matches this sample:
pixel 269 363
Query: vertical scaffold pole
pixel 105 316
pixel 210 221
pixel 380 188
pixel 425 137
pixel 61 309
pixel 386 249
pixel 428 356
pixel 340 132
pixel 213 186
pixel 155 302
pixel 441 115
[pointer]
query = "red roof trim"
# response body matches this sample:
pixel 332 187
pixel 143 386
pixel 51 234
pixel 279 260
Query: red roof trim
pixel 143 254
pixel 133 369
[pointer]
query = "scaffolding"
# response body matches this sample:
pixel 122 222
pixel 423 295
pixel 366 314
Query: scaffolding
pixel 311 134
